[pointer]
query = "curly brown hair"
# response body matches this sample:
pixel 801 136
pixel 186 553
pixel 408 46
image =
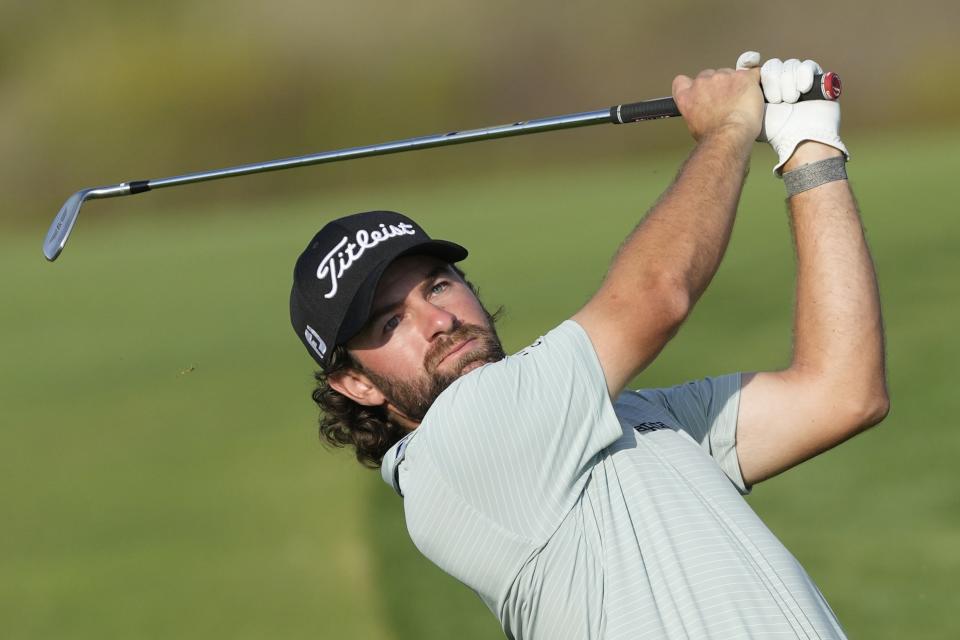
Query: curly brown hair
pixel 343 422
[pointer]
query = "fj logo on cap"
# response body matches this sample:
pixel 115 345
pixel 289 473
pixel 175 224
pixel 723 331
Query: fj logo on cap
pixel 315 341
pixel 342 256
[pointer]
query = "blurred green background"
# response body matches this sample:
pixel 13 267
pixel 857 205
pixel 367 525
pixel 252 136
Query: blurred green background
pixel 161 475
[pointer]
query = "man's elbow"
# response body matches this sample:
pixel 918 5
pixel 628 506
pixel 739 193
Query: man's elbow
pixel 857 399
pixel 673 300
pixel 867 410
pixel 667 313
pixel 878 409
pixel 654 306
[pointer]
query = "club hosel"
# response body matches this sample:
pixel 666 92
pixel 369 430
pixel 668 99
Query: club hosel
pixel 110 191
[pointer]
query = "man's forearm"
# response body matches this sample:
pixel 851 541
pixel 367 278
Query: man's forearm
pixel 668 260
pixel 683 238
pixel 838 325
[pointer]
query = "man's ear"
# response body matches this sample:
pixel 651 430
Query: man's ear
pixel 357 387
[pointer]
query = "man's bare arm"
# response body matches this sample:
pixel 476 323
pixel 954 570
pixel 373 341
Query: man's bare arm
pixel 835 385
pixel 668 260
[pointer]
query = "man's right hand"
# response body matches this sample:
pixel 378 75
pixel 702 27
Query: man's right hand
pixel 721 100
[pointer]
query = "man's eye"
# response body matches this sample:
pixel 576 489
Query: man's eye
pixel 440 287
pixel 392 323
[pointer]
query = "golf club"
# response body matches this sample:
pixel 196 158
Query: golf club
pixel 825 87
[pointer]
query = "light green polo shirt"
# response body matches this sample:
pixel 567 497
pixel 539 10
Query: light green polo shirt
pixel 574 517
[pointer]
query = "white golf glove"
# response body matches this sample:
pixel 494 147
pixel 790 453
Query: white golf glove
pixel 786 122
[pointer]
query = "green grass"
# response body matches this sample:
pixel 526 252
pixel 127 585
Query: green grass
pixel 161 475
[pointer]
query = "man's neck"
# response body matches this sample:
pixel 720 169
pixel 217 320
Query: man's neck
pixel 402 419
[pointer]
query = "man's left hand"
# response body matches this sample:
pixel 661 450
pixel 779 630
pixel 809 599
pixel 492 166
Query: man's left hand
pixel 787 122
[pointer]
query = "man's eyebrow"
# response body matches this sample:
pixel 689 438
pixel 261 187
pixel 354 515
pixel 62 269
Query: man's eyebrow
pixel 440 269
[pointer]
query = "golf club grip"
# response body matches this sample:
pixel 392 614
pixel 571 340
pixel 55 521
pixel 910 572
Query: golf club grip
pixel 825 87
pixel 646 110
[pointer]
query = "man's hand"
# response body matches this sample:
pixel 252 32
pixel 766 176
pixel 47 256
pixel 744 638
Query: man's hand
pixel 721 100
pixel 786 122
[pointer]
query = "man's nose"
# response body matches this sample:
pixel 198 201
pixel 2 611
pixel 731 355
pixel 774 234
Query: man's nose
pixel 437 320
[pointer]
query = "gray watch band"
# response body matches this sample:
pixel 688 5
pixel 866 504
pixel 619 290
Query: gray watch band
pixel 815 174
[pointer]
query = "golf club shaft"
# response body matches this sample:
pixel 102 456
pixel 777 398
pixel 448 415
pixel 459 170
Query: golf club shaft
pixel 659 108
pixel 825 87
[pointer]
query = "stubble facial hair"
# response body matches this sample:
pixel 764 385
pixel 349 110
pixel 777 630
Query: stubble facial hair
pixel 415 397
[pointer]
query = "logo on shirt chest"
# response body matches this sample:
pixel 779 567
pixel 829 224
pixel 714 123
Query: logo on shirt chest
pixel 645 427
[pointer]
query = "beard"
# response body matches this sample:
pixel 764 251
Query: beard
pixel 415 397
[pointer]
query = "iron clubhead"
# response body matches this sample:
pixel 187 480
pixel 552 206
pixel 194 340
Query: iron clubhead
pixel 62 225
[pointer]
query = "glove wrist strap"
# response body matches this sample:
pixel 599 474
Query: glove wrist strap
pixel 814 174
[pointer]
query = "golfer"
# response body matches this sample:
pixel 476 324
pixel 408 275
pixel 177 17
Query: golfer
pixel 574 508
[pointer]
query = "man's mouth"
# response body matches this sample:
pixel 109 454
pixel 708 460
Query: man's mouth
pixel 461 348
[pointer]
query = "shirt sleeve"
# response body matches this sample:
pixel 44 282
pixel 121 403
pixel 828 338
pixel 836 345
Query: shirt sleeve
pixel 516 439
pixel 707 410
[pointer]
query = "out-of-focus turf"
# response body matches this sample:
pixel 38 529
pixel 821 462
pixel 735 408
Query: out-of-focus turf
pixel 161 476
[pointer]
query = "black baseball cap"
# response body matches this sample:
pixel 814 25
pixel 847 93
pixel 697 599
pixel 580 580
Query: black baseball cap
pixel 337 274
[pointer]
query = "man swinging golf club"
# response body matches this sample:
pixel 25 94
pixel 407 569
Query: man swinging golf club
pixel 573 508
